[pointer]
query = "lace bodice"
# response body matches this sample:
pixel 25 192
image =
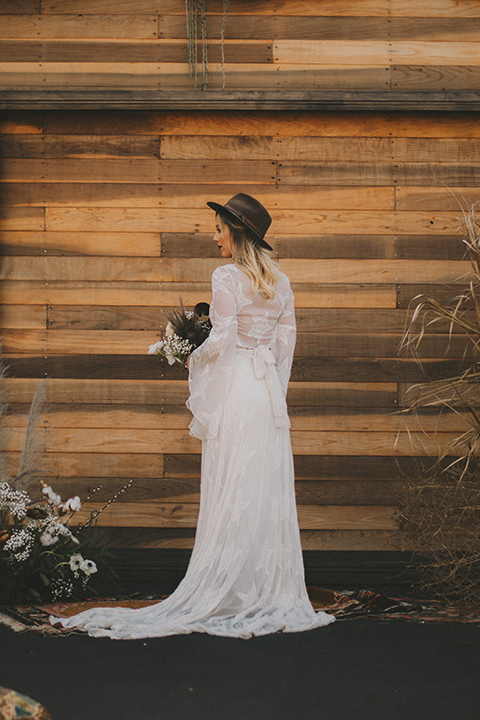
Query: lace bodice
pixel 242 318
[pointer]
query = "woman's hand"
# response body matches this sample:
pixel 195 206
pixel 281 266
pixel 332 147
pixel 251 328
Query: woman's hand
pixel 187 360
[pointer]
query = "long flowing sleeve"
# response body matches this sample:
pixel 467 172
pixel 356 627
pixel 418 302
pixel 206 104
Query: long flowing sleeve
pixel 211 365
pixel 285 337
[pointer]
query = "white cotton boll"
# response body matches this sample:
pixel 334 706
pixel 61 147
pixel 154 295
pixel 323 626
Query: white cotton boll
pixel 46 539
pixel 72 504
pixel 52 497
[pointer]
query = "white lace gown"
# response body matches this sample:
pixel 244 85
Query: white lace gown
pixel 246 575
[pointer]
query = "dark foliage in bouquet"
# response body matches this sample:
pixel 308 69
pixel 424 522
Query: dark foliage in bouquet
pixel 192 326
pixel 186 330
pixel 439 510
pixel 42 557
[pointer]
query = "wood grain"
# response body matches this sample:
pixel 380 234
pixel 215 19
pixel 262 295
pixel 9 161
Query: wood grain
pixel 167 293
pixel 105 227
pixel 77 26
pixel 185 515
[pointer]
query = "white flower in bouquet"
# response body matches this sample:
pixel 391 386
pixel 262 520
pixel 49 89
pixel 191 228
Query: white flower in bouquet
pixel 19 544
pixel 76 562
pixel 14 501
pixel 155 348
pixel 173 348
pixel 88 567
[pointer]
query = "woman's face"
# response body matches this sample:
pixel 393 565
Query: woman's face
pixel 222 238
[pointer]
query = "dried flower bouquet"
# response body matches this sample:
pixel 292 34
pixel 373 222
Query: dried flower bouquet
pixel 185 331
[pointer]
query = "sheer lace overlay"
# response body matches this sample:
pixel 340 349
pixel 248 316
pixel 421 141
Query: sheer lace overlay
pixel 246 574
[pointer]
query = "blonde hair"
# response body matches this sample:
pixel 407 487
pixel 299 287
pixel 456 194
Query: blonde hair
pixel 254 259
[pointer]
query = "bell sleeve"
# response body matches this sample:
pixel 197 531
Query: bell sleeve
pixel 211 364
pixel 285 337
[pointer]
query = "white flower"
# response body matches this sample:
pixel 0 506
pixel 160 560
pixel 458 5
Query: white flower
pixel 154 349
pixel 72 504
pixel 88 567
pixel 47 539
pixel 76 562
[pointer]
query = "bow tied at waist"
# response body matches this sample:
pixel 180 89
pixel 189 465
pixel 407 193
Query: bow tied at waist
pixel 264 368
pixel 262 358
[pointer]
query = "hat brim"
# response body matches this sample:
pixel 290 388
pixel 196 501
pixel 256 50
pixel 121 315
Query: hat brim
pixel 221 209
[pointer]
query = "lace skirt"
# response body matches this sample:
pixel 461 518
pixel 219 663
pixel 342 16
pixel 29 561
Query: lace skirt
pixel 246 575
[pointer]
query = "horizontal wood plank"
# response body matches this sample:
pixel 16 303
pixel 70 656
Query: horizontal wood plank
pixel 435 77
pixel 77 243
pixel 182 538
pixel 75 146
pixel 132 342
pixel 188 196
pixel 84 317
pixel 246 7
pixel 346 27
pixel 230 123
pixel 161 294
pixel 200 270
pixel 113 441
pixel 185 515
pixel 138 171
pixel 77 26
pixel 178 417
pixel 304 369
pixel 106 50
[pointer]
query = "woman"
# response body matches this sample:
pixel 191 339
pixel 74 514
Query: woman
pixel 245 576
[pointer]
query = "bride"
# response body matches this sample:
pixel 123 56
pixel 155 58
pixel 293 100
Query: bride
pixel 245 576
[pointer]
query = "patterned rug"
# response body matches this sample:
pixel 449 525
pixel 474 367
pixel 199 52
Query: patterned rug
pixel 344 605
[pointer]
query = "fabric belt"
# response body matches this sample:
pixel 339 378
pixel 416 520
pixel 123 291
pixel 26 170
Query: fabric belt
pixel 264 368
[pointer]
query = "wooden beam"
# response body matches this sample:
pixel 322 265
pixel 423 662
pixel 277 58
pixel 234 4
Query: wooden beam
pixel 151 98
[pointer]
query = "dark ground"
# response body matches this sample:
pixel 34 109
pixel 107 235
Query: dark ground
pixel 364 669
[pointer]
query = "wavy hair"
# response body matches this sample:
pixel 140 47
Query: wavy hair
pixel 254 259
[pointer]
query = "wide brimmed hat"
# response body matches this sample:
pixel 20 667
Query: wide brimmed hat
pixel 250 212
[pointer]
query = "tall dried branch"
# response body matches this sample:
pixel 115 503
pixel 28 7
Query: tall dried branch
pixel 33 442
pixel 3 412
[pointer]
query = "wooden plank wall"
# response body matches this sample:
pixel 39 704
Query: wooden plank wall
pixel 279 45
pixel 104 225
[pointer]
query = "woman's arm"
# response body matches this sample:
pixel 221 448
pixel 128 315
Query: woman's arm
pixel 285 338
pixel 211 365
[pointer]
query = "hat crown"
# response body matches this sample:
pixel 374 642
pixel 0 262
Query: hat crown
pixel 250 212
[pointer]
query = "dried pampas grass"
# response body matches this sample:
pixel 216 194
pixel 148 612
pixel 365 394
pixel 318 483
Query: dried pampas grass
pixel 439 510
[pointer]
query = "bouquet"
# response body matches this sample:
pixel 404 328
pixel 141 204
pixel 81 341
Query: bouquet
pixel 40 557
pixel 185 331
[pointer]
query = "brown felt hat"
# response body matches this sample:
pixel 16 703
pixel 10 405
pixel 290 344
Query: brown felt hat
pixel 250 212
